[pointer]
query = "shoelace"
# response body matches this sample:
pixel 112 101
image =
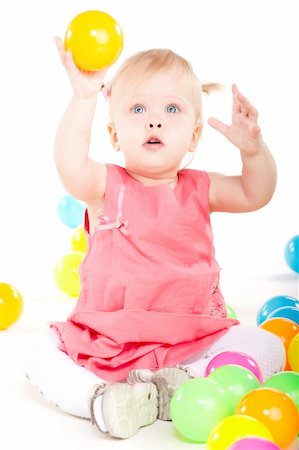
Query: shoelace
pixel 99 389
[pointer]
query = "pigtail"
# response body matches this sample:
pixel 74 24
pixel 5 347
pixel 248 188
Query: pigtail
pixel 209 88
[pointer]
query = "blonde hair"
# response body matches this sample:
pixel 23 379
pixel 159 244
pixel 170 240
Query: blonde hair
pixel 146 63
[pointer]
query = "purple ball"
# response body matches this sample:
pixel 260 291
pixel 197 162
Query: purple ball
pixel 253 443
pixel 237 358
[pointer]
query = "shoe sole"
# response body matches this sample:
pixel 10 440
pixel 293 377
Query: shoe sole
pixel 126 408
pixel 167 381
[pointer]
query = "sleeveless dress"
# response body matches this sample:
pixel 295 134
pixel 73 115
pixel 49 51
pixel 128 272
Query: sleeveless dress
pixel 150 293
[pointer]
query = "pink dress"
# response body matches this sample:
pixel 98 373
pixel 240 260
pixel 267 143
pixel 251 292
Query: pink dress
pixel 150 293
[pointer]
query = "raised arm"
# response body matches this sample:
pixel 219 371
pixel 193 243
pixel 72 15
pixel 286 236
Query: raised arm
pixel 254 188
pixel 82 177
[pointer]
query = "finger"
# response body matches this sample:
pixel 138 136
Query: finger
pixel 70 65
pixel 249 112
pixel 253 114
pixel 59 44
pixel 244 101
pixel 58 41
pixel 236 102
pixel 255 131
pixel 60 49
pixel 247 108
pixel 235 88
pixel 218 125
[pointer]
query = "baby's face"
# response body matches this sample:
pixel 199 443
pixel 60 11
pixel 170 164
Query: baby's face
pixel 154 123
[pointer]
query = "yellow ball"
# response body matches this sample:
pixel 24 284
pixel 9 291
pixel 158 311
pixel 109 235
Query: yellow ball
pixel 11 305
pixel 95 40
pixel 236 427
pixel 79 241
pixel 66 273
pixel 293 353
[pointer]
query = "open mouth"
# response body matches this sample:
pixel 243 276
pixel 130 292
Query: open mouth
pixel 153 143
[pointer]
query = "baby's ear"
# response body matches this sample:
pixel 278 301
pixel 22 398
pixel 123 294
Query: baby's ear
pixel 196 136
pixel 113 136
pixel 106 89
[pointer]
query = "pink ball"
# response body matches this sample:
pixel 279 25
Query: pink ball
pixel 239 359
pixel 253 443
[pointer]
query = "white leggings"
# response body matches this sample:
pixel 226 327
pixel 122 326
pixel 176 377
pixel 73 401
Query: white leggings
pixel 66 385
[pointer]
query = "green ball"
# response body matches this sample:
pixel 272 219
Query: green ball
pixel 287 382
pixel 237 380
pixel 231 313
pixel 197 406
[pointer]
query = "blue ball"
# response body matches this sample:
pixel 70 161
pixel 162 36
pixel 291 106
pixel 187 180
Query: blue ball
pixel 291 253
pixel 279 301
pixel 71 211
pixel 287 312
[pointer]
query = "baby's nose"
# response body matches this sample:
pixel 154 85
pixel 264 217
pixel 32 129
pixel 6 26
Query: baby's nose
pixel 154 124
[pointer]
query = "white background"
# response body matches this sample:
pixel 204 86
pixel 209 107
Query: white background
pixel 252 43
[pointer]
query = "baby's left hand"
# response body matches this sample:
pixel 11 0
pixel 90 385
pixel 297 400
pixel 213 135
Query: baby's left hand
pixel 243 132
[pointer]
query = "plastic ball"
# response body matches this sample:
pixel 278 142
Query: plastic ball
pixel 279 301
pixel 275 410
pixel 95 40
pixel 11 305
pixel 287 382
pixel 253 443
pixel 293 353
pixel 71 211
pixel 66 273
pixel 236 380
pixel 197 406
pixel 288 312
pixel 231 313
pixel 285 329
pixel 291 253
pixel 234 428
pixel 237 358
pixel 79 243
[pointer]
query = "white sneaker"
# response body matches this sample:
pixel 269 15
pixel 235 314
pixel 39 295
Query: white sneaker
pixel 124 408
pixel 166 380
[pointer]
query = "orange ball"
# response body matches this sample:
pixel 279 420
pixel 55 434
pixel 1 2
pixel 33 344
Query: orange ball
pixel 285 329
pixel 274 409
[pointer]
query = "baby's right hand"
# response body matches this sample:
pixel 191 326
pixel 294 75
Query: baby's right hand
pixel 85 84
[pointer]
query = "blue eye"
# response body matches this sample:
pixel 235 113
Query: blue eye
pixel 172 109
pixel 138 109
